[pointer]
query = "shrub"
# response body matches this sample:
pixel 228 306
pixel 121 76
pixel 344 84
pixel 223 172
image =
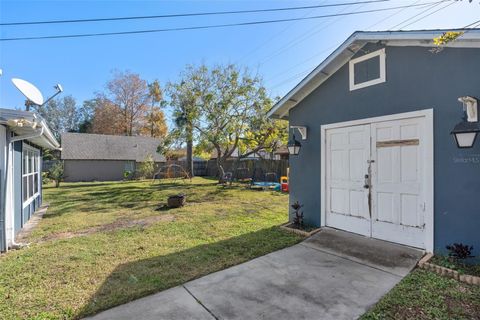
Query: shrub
pixel 298 218
pixel 147 167
pixel 56 173
pixel 460 251
pixel 127 174
pixel 45 178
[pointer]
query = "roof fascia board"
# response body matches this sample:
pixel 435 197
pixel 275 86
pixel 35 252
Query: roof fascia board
pixel 470 39
pixel 312 74
pixel 31 116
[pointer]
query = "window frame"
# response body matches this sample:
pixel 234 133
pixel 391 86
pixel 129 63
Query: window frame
pixel 383 77
pixel 30 168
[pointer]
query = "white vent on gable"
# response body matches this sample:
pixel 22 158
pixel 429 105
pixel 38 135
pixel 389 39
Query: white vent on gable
pixel 367 70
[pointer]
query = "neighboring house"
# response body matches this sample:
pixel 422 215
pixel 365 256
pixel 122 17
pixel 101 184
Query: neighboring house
pixel 98 157
pixel 378 158
pixel 23 135
pixel 282 153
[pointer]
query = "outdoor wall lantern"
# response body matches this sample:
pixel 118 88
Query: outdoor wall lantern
pixel 466 131
pixel 294 145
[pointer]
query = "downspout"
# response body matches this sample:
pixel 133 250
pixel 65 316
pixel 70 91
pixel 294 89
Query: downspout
pixel 10 140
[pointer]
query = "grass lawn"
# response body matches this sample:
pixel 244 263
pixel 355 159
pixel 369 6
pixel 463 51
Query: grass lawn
pixel 103 244
pixel 426 295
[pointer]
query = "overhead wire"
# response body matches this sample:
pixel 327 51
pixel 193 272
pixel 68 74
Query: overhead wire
pixel 430 7
pixel 303 73
pixel 261 22
pixel 269 40
pixel 428 15
pixel 178 15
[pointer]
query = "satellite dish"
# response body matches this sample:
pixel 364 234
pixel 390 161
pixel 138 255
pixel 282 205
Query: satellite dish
pixel 29 91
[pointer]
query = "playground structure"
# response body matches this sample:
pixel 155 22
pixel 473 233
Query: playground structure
pixel 269 181
pixel 173 172
pixel 258 174
pixel 259 180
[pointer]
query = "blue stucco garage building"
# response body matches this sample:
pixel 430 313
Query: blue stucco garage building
pixel 378 158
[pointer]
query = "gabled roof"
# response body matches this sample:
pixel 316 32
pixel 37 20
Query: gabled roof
pixel 29 125
pixel 470 39
pixel 85 146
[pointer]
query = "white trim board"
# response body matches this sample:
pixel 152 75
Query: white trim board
pixel 429 164
pixel 351 70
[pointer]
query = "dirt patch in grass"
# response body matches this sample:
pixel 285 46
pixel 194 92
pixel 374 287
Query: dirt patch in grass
pixel 114 226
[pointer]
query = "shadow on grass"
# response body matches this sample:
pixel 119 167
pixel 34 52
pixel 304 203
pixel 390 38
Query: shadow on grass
pixel 137 279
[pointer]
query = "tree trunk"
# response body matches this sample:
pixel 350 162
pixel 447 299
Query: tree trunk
pixel 220 171
pixel 151 122
pixel 189 163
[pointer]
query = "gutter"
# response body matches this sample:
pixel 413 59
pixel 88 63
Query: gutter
pixel 3 208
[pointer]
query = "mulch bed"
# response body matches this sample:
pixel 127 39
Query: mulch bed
pixel 305 231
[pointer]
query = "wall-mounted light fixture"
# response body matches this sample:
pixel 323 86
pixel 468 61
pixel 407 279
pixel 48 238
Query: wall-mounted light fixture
pixel 466 131
pixel 294 145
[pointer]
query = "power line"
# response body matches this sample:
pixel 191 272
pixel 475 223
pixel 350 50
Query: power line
pixel 303 62
pixel 431 13
pixel 389 16
pixel 83 35
pixel 312 33
pixel 263 44
pixel 177 15
pixel 418 14
pixel 296 76
pixel 473 24
pixel 302 38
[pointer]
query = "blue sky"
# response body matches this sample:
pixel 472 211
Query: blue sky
pixel 282 53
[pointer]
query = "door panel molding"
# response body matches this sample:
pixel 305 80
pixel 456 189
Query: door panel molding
pixel 428 182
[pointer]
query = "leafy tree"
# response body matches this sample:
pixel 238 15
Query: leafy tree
pixel 155 119
pixel 184 98
pixel 155 125
pixel 86 114
pixel 107 117
pixel 231 112
pixel 61 115
pixel 129 93
pixel 224 109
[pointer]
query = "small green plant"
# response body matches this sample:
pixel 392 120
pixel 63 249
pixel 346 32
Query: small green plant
pixel 127 174
pixel 45 178
pixel 147 168
pixel 56 173
pixel 298 218
pixel 459 251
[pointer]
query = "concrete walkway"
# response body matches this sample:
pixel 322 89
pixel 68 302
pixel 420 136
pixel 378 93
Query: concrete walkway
pixel 332 275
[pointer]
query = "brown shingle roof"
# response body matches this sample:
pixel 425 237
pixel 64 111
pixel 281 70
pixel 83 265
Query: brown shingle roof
pixel 86 146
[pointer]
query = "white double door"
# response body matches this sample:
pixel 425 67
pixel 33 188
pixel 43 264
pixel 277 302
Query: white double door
pixel 374 175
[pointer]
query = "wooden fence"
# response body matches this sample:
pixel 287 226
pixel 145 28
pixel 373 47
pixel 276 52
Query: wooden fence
pixel 256 169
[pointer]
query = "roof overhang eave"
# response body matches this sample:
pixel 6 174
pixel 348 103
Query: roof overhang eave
pixel 45 140
pixel 318 75
pixel 350 47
